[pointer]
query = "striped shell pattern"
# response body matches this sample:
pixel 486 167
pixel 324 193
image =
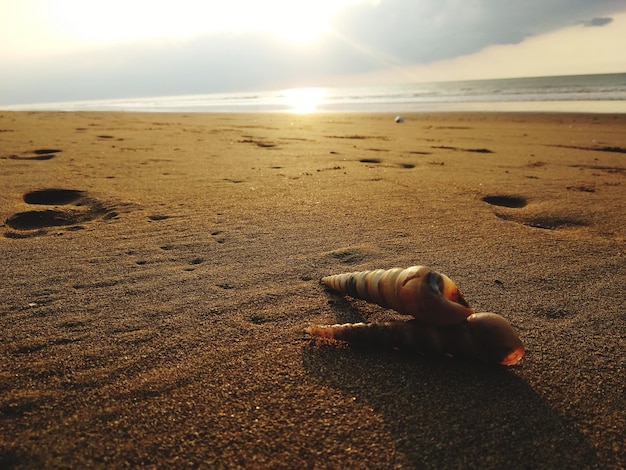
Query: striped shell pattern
pixel 443 323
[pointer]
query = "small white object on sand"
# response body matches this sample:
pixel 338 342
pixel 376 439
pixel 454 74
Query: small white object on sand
pixel 399 119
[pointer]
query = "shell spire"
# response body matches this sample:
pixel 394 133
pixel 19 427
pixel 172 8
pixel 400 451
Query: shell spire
pixel 419 291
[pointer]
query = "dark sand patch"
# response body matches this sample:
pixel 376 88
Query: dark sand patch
pixel 597 148
pixel 582 188
pixel 504 200
pixel 608 169
pixel 38 155
pixel 46 151
pixel 33 158
pixel 31 220
pixel 471 150
pixel 258 143
pixel 158 217
pixel 357 137
pixel 53 196
pixel 545 221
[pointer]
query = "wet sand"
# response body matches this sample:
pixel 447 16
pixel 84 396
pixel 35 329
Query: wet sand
pixel 159 271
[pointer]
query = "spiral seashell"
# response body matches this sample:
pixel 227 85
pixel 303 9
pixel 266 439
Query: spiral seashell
pixel 419 291
pixel 484 336
pixel 444 322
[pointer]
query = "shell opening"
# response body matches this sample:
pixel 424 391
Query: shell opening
pixel 435 281
pixel 495 338
pixel 447 288
pixel 513 357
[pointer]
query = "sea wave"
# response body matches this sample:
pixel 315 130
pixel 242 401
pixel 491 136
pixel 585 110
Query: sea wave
pixel 590 93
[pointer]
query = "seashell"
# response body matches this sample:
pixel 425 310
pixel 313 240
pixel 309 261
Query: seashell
pixel 399 119
pixel 484 336
pixel 418 291
pixel 444 322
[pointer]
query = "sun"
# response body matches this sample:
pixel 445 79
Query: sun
pixel 303 100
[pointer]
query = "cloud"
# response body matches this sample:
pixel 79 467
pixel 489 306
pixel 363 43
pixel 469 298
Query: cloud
pixel 567 51
pixel 598 21
pixel 428 31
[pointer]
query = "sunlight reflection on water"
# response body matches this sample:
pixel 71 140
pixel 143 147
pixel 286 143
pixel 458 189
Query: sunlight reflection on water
pixel 593 93
pixel 303 100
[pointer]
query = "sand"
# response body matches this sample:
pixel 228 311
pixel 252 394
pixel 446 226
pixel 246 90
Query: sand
pixel 158 271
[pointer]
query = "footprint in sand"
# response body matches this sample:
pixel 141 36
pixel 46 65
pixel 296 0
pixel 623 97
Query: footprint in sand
pixel 378 161
pixel 553 222
pixel 515 202
pixel 542 220
pixel 70 207
pixel 38 155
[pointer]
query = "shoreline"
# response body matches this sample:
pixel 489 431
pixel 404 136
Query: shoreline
pixel 557 107
pixel 602 93
pixel 155 312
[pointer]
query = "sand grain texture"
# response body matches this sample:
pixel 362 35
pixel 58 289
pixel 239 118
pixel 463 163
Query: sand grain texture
pixel 159 270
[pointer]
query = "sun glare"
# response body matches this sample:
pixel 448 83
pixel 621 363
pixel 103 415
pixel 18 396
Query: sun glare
pixel 303 100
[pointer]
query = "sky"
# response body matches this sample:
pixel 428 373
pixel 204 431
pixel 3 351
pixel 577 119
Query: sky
pixel 66 50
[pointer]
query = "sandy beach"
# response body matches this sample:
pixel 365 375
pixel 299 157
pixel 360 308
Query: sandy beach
pixel 159 270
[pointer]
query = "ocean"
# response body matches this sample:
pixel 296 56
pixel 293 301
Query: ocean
pixel 604 93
